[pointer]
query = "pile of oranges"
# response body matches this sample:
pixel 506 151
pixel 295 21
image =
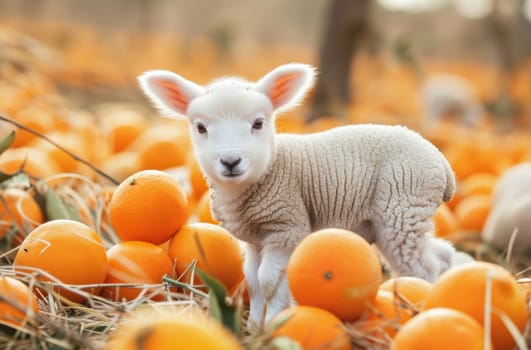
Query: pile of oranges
pixel 158 211
pixel 149 212
pixel 334 275
pixel 335 278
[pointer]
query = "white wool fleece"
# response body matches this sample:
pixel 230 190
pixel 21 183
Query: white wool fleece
pixel 383 182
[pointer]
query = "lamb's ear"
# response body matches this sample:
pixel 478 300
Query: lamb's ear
pixel 286 86
pixel 168 91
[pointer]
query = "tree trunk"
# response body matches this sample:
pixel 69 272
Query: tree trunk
pixel 346 27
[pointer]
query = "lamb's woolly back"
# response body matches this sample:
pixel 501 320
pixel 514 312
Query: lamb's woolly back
pixel 510 211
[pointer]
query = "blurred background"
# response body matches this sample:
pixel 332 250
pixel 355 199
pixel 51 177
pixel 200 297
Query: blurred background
pixel 377 54
pixel 453 70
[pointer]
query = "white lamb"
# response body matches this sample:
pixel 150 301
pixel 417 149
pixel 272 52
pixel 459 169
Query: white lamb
pixel 445 94
pixel 383 182
pixel 511 209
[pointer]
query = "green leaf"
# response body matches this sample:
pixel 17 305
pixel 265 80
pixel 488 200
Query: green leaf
pixel 6 243
pixel 285 343
pixel 20 179
pixel 56 208
pixel 228 315
pixel 7 141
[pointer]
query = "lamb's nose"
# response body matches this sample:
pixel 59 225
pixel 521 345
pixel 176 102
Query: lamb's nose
pixel 230 162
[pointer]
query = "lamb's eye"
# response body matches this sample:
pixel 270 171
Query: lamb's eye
pixel 258 124
pixel 201 128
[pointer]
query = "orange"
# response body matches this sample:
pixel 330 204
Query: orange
pixel 135 262
pixel 336 270
pixel 121 165
pixel 81 122
pixel 413 289
pixel 69 250
pixel 472 212
pixel 149 206
pixel 204 213
pixel 476 152
pixel 440 329
pixel 213 248
pixel 458 196
pixel 16 296
pixel 162 147
pixel 445 221
pixel 478 183
pixel 122 126
pixel 34 162
pixel 34 118
pixel 197 179
pixel 175 329
pixel 12 97
pixel 22 211
pixel 312 328
pixel 383 317
pixel 463 288
pixel 68 140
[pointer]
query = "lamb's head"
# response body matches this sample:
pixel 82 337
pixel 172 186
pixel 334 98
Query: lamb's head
pixel 232 120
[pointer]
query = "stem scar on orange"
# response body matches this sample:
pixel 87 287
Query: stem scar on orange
pixel 336 270
pixel 149 206
pixel 69 250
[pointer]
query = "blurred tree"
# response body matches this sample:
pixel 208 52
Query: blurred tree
pixel 509 30
pixel 346 27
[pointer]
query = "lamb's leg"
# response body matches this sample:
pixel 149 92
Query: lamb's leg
pixel 256 298
pixel 410 249
pixel 272 279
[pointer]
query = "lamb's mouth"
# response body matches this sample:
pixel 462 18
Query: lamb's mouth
pixel 232 174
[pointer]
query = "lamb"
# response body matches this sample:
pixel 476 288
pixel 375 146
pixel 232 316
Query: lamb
pixel 383 182
pixel 446 94
pixel 510 211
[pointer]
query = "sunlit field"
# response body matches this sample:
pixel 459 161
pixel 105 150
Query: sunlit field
pixel 86 264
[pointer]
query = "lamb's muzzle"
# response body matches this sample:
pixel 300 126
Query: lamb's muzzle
pixel 230 163
pixel 383 182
